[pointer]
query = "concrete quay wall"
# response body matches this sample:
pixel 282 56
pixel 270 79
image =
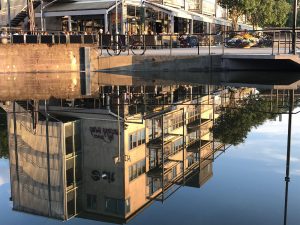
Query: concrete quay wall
pixel 30 58
pixel 43 58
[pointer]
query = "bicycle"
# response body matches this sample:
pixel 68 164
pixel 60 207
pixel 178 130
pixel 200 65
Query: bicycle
pixel 137 47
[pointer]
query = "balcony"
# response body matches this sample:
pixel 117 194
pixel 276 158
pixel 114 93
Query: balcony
pixel 195 146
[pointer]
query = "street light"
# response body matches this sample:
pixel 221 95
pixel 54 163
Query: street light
pixel 294 34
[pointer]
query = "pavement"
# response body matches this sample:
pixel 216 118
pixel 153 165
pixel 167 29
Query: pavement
pixel 215 50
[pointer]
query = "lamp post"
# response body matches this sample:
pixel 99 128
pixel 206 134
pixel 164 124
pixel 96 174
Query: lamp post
pixel 294 34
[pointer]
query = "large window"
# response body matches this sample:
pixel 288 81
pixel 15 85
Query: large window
pixel 137 169
pixel 193 137
pixel 177 121
pixel 91 201
pixel 72 137
pixel 136 139
pixel 117 206
pixel 177 145
pixel 194 115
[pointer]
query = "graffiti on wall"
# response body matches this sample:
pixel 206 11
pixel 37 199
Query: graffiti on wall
pixel 105 134
pixel 97 175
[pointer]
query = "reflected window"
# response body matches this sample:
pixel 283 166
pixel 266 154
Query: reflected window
pixel 72 137
pixel 136 139
pixel 177 121
pixel 69 145
pixel 127 205
pixel 71 204
pixel 154 185
pixel 91 202
pixel 137 169
pixel 117 206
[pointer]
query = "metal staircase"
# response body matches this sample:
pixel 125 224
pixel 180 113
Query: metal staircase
pixel 32 4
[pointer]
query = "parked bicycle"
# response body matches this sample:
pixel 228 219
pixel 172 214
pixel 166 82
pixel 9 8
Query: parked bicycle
pixel 117 45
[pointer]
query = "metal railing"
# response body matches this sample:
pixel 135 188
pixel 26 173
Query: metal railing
pixel 268 41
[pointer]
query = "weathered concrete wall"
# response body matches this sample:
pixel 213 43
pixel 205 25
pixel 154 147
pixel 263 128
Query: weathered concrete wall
pixel 30 192
pixel 66 58
pixel 39 58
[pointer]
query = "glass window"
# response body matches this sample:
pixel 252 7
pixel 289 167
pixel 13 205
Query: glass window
pixel 143 135
pixel 69 145
pixel 91 202
pixel 116 206
pixel 134 171
pixel 77 136
pixel 130 173
pixel 134 141
pixel 127 205
pixel 71 204
pixel 139 137
pixel 130 142
pixel 137 169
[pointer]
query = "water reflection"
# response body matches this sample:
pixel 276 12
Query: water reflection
pixel 108 158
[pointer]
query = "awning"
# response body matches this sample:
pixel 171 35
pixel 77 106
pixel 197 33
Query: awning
pixel 222 22
pixel 169 10
pixel 201 17
pixel 88 7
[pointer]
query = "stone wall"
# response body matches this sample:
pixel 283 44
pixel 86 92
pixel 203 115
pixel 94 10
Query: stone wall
pixel 24 58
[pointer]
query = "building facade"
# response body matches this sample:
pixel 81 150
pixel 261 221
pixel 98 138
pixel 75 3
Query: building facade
pixel 110 163
pixel 124 16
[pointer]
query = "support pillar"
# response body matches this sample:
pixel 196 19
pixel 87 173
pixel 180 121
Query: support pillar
pixel 69 23
pixel 105 23
pixel 171 25
pixel 191 31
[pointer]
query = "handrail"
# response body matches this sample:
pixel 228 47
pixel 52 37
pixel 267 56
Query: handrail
pixel 278 40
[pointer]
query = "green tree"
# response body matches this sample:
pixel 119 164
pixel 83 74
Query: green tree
pixel 236 9
pixel 289 22
pixel 268 13
pixel 259 12
pixel 233 125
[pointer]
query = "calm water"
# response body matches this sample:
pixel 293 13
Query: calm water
pixel 246 183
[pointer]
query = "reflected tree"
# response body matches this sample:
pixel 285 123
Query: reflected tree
pixel 234 123
pixel 3 135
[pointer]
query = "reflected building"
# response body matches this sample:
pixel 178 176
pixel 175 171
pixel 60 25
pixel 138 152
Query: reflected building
pixel 109 157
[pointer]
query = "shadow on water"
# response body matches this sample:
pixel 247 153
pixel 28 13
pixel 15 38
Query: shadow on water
pixel 16 86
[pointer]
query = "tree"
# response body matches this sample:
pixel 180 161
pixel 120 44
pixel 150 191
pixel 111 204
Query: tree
pixel 259 12
pixel 233 125
pixel 281 13
pixel 289 22
pixel 236 9
pixel 268 13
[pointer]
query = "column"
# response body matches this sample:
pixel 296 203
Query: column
pixel 123 18
pixel 105 23
pixel 191 26
pixel 171 26
pixel 69 23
